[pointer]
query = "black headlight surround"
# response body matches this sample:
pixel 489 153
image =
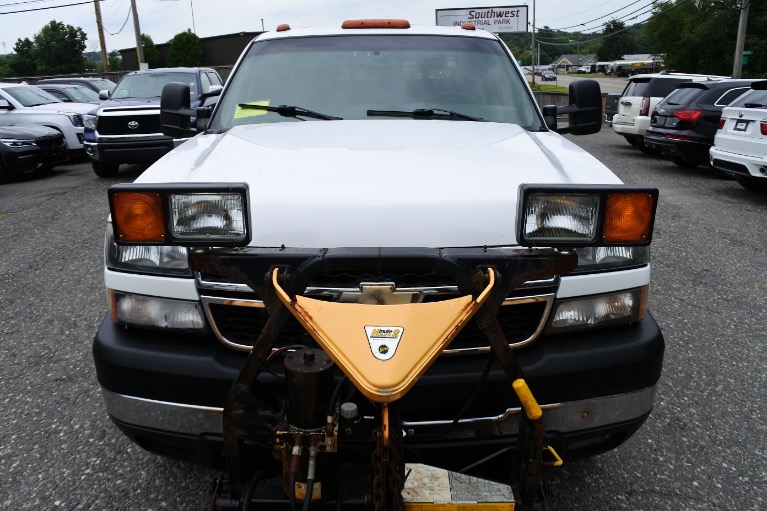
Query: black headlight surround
pixel 165 190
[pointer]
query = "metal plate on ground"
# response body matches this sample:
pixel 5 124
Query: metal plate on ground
pixel 434 489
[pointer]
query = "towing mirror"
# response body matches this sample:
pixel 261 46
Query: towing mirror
pixel 175 113
pixel 584 111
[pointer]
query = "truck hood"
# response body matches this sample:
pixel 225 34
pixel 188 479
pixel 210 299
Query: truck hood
pixel 381 183
pixel 77 108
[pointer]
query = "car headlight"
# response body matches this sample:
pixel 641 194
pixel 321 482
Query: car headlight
pixel 153 312
pixel 610 309
pixel 152 259
pixel 90 121
pixel 571 216
pixel 74 118
pixel 595 259
pixel 13 142
pixel 180 214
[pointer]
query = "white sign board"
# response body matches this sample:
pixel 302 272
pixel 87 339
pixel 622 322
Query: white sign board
pixel 492 19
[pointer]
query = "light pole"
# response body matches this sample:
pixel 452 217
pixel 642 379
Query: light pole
pixel 137 29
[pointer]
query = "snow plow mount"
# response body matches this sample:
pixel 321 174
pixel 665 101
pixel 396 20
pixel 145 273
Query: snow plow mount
pixel 382 348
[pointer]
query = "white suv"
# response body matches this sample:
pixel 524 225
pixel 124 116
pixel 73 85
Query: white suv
pixel 639 98
pixel 740 145
pixel 27 104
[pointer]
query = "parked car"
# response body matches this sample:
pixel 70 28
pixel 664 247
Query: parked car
pixel 27 104
pixel 95 84
pixel 740 144
pixel 126 128
pixel 684 123
pixel 611 106
pixel 319 143
pixel 29 147
pixel 548 76
pixel 640 96
pixel 583 70
pixel 69 93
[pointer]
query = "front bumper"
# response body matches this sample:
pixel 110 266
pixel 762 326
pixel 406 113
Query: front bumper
pixel 129 150
pixel 33 158
pixel 166 391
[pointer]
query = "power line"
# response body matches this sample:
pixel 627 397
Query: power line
pixel 51 7
pixel 606 15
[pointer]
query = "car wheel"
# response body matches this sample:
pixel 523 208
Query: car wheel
pixel 684 162
pixel 105 169
pixel 632 140
pixel 752 183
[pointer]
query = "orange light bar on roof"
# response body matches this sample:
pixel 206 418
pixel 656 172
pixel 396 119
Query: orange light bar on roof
pixel 468 26
pixel 283 28
pixel 376 24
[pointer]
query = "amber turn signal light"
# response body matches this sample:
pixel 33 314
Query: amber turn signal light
pixel 628 217
pixel 138 216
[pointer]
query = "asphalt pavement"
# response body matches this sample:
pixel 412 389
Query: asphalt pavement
pixel 704 447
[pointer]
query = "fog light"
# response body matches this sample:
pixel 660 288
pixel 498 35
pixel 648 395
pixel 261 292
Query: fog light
pixel 597 311
pixel 151 312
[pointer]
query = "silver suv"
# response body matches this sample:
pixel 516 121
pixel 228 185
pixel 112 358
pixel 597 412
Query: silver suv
pixel 639 98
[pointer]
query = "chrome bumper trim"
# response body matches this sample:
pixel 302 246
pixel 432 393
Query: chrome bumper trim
pixel 561 417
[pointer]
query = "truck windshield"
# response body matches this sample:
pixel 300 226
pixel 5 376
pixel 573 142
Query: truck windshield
pixel 348 76
pixel 149 85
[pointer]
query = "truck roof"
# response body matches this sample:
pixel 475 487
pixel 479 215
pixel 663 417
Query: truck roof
pixel 283 32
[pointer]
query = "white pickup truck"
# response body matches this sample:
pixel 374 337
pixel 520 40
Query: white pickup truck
pixel 387 164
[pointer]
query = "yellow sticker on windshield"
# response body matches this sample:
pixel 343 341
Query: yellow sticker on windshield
pixel 250 112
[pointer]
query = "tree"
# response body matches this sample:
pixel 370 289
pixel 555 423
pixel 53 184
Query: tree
pixel 59 49
pixel 23 61
pixel 151 53
pixel 618 41
pixel 185 50
pixel 695 36
pixel 115 61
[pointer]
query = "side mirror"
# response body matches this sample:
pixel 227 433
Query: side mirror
pixel 103 95
pixel 175 113
pixel 584 111
pixel 5 105
pixel 214 90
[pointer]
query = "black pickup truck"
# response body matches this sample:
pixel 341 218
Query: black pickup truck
pixel 126 128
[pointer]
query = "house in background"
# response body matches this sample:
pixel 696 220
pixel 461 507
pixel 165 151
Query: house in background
pixel 571 62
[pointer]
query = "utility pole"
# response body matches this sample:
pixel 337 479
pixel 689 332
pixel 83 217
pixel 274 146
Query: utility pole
pixel 532 50
pixel 740 44
pixel 100 27
pixel 139 46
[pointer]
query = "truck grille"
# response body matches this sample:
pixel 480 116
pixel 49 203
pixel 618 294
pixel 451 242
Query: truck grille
pixel 114 125
pixel 237 316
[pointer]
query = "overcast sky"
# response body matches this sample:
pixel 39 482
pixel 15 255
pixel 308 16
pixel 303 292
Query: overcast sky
pixel 162 19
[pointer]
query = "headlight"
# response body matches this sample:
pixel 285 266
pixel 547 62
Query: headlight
pixel 594 259
pixel 180 214
pixel 12 142
pixel 597 311
pixel 153 312
pixel 570 216
pixel 152 259
pixel 90 121
pixel 75 119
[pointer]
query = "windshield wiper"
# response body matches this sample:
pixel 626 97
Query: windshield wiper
pixel 291 111
pixel 753 105
pixel 425 113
